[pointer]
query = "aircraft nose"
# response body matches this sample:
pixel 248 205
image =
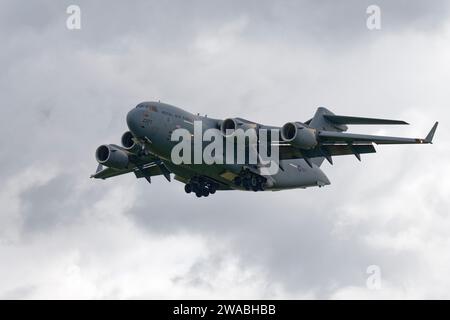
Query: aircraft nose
pixel 134 121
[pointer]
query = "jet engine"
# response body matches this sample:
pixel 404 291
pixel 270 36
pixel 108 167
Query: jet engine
pixel 299 135
pixel 129 144
pixel 232 124
pixel 112 156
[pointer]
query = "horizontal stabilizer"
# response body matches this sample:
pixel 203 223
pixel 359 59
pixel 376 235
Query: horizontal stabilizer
pixel 359 120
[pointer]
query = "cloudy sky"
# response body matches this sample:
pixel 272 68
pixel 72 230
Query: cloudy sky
pixel 64 92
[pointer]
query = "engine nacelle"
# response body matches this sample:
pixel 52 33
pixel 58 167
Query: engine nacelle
pixel 298 135
pixel 228 125
pixel 129 144
pixel 111 156
pixel 232 124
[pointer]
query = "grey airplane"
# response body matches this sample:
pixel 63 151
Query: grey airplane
pixel 146 149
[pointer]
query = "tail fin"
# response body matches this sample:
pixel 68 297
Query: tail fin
pixel 324 119
pixel 322 122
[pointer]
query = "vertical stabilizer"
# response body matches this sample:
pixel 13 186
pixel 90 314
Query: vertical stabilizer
pixel 320 122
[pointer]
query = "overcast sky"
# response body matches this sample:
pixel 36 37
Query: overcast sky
pixel 64 92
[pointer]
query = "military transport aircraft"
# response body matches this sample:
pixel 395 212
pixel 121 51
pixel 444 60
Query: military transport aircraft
pixel 146 149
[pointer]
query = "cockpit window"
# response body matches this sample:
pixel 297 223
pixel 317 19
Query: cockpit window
pixel 147 106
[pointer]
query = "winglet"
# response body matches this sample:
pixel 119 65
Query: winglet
pixel 430 134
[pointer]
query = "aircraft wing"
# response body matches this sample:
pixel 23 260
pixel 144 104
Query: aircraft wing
pixel 350 138
pixel 105 172
pixel 338 143
pixel 290 152
pixel 147 170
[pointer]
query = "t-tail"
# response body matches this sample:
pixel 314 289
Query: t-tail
pixel 331 129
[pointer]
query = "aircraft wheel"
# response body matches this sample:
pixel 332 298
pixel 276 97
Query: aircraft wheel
pixel 188 188
pixel 254 182
pixel 246 184
pixel 205 192
pixel 198 194
pixel 212 189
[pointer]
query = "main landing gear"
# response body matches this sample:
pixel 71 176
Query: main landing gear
pixel 201 187
pixel 250 181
